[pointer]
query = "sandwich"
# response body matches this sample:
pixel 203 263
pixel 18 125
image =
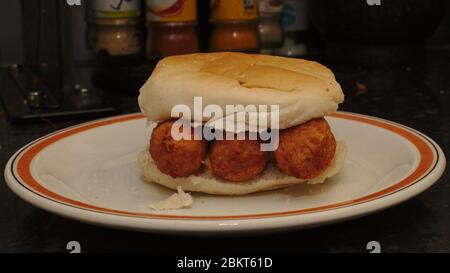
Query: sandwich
pixel 274 136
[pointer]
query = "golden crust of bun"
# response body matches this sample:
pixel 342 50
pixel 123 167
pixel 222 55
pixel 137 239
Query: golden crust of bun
pixel 302 89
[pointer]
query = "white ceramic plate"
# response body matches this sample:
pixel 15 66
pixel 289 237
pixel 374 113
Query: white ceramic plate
pixel 89 172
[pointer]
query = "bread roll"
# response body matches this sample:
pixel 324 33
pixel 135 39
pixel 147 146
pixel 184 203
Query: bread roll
pixel 302 89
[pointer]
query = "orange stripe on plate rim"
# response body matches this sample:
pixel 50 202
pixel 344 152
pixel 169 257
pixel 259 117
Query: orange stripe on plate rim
pixel 25 160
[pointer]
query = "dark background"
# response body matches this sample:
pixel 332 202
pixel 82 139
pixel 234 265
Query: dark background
pixel 416 95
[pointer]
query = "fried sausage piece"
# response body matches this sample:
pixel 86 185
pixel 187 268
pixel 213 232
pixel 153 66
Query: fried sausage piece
pixel 306 150
pixel 237 160
pixel 177 158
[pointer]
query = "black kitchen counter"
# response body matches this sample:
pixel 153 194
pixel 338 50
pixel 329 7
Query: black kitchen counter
pixel 416 95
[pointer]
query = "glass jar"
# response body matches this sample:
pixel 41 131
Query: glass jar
pixel 270 31
pixel 117 36
pixel 235 25
pixel 171 28
pixel 270 27
pixel 239 36
pixel 171 38
pixel 296 29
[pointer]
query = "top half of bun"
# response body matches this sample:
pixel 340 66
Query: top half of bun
pixel 302 89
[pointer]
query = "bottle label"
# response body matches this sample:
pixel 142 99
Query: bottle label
pixel 270 6
pixel 117 8
pixel 233 10
pixel 171 10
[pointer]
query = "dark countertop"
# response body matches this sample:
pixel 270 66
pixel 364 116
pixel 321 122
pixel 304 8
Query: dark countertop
pixel 417 96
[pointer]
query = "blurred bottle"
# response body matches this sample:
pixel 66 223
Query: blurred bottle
pixel 270 28
pixel 235 25
pixel 295 25
pixel 171 28
pixel 115 28
pixel 116 37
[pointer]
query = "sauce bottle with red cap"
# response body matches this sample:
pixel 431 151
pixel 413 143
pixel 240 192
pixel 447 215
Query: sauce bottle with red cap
pixel 171 28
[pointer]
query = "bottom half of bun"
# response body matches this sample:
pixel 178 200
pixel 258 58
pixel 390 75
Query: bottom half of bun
pixel 206 182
